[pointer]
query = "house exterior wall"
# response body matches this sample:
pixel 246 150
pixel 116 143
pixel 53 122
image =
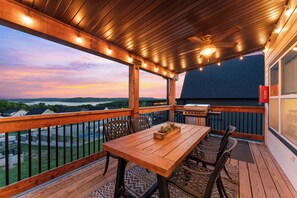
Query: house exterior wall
pixel 284 151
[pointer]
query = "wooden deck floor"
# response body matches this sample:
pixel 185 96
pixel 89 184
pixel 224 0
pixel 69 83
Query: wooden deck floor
pixel 264 178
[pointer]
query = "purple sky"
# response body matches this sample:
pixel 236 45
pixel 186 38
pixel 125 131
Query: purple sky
pixel 31 67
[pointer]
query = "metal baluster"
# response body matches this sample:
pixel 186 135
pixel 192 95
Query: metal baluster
pixel 39 150
pixel 48 149
pixel 71 142
pixel 252 114
pixel 94 128
pixel 19 155
pixel 77 141
pixel 89 138
pixel 257 123
pixel 6 159
pixel 57 146
pixel 99 125
pixel 83 139
pixel 30 152
pixel 64 143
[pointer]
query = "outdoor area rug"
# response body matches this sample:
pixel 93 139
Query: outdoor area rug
pixel 138 181
pixel 242 152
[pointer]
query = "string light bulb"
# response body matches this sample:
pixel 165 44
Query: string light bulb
pixel 200 69
pixel 156 69
pixel 288 11
pixel 27 19
pixel 171 75
pixel 108 50
pixel 241 57
pixel 79 39
pixel 144 64
pixel 130 59
pixel 219 63
pixel 277 30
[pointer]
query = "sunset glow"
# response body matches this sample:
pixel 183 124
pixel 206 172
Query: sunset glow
pixel 32 67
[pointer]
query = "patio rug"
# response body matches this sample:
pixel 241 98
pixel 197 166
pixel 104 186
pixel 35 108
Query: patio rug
pixel 138 181
pixel 242 152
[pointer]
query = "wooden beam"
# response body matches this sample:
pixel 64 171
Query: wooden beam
pixel 12 14
pixel 33 181
pixel 171 99
pixel 134 89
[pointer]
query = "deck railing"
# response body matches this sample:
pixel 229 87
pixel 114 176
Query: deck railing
pixel 249 121
pixel 39 148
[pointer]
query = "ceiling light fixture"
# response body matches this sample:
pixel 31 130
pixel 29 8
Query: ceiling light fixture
pixel 219 63
pixel 171 75
pixel 241 57
pixel 156 69
pixel 295 49
pixel 164 72
pixel 200 68
pixel 208 50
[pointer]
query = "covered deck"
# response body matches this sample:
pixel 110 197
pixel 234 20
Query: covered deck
pixel 165 38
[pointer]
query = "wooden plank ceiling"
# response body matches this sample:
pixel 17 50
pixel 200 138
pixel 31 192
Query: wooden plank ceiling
pixel 158 30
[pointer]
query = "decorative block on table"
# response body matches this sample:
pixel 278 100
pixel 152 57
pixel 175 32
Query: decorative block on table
pixel 167 131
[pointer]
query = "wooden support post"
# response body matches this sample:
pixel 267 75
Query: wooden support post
pixel 171 98
pixel 134 88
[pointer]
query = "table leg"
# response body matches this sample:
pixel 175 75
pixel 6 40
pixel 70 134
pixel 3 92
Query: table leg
pixel 163 187
pixel 119 187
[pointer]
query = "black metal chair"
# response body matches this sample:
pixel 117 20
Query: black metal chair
pixel 139 124
pixel 198 181
pixel 209 154
pixel 112 130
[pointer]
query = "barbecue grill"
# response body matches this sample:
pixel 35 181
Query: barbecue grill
pixel 196 114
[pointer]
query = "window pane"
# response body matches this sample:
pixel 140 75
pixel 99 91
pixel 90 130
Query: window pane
pixel 274 80
pixel 289 73
pixel 289 119
pixel 273 114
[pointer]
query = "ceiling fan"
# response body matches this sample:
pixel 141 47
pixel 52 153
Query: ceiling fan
pixel 208 44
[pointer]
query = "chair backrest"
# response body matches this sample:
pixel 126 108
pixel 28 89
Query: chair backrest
pixel 224 141
pixel 116 129
pixel 227 133
pixel 219 166
pixel 140 123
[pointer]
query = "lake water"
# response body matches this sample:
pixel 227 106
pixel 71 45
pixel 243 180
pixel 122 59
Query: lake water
pixel 67 103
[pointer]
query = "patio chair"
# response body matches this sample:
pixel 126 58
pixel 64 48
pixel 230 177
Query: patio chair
pixel 198 181
pixel 139 124
pixel 112 130
pixel 210 154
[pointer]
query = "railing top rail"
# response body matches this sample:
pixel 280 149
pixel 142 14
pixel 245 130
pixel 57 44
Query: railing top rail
pixel 13 124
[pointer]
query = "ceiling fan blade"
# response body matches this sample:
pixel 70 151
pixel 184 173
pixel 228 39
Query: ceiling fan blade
pixel 225 44
pixel 227 33
pixel 196 39
pixel 187 52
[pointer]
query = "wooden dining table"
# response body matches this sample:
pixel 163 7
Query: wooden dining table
pixel 159 156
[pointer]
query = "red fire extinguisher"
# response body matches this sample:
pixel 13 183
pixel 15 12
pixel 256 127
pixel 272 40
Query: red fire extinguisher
pixel 263 94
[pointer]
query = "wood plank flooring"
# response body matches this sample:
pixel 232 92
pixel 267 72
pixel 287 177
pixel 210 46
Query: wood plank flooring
pixel 264 178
